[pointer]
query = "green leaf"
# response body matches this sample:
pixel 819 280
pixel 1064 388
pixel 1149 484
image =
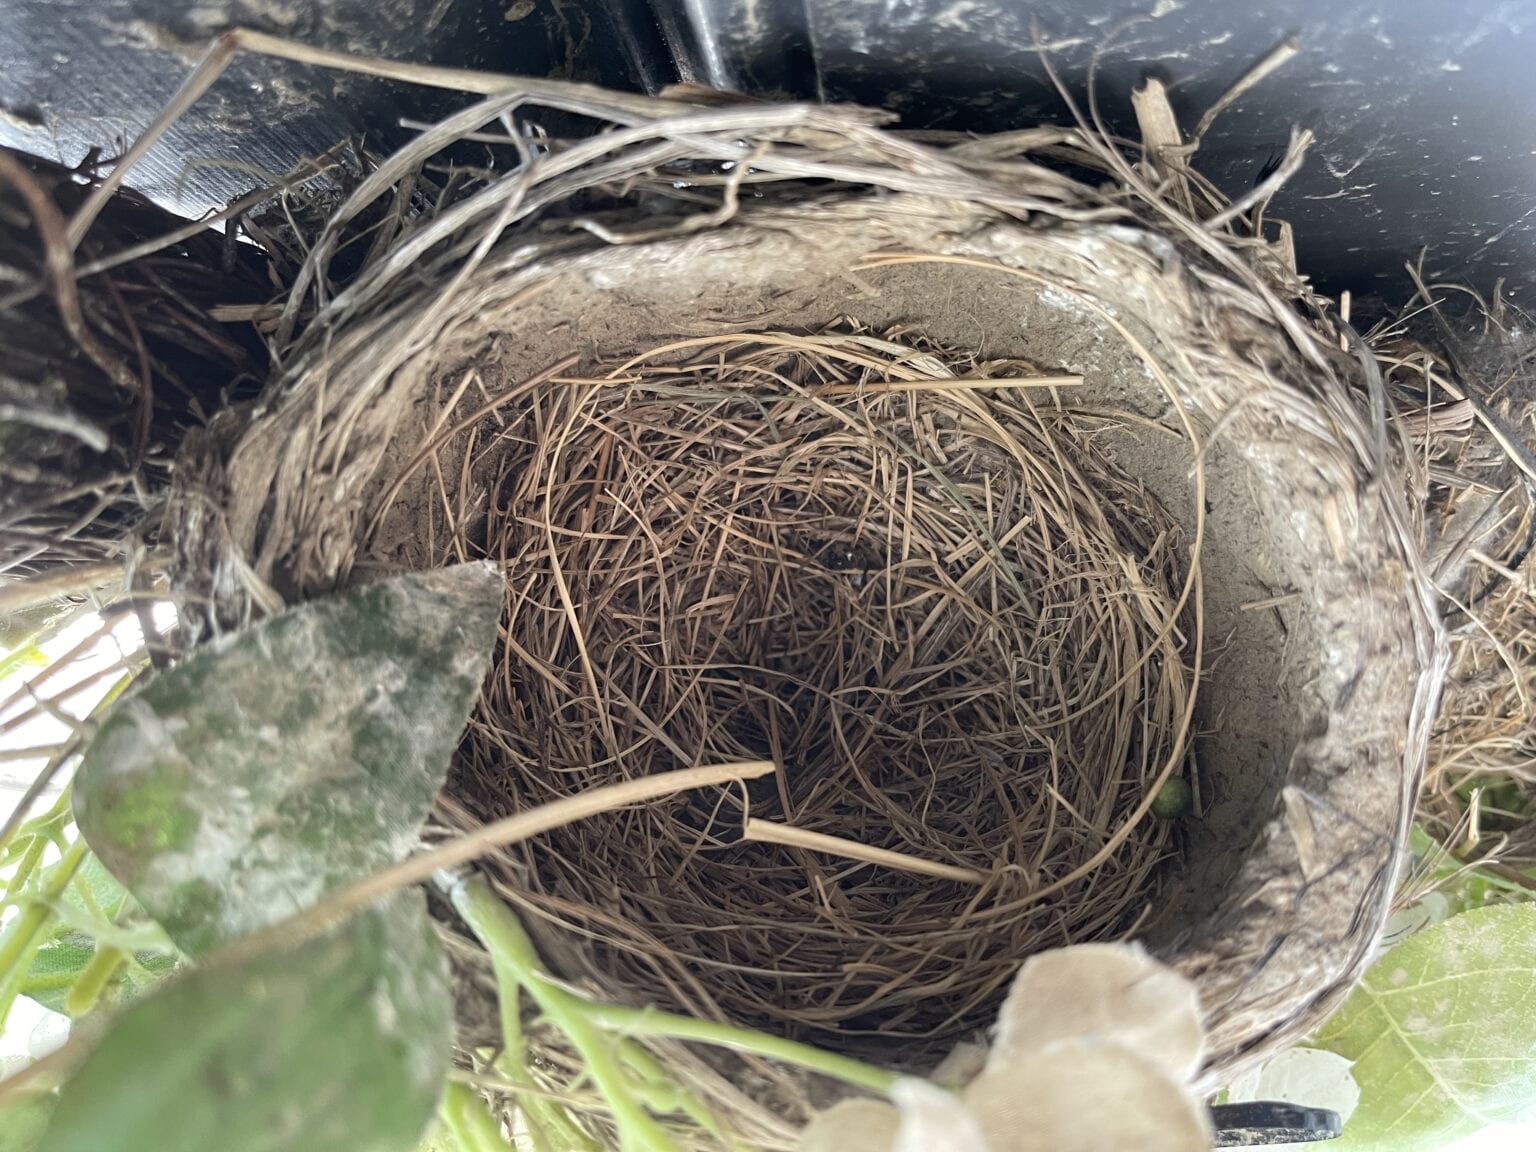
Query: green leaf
pixel 55 968
pixel 1443 1033
pixel 22 1123
pixel 236 788
pixel 341 1045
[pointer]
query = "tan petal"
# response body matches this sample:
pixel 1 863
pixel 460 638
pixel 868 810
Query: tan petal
pixel 852 1126
pixel 964 1062
pixel 1109 992
pixel 1083 1096
pixel 933 1119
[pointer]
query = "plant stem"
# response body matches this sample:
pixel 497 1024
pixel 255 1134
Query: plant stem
pixel 25 935
pixel 549 1124
pixel 650 1022
pixel 41 829
pixel 469 1122
pixel 676 1096
pixel 93 981
pixel 517 964
pixel 515 959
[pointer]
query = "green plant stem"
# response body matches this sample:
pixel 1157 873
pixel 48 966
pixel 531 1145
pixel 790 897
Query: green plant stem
pixel 40 829
pixel 550 1125
pixel 650 1022
pixel 676 1097
pixel 26 934
pixel 516 961
pixel 515 958
pixel 93 980
pixel 469 1122
pixel 25 868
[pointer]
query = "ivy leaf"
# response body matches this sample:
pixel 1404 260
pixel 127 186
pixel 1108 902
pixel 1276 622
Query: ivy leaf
pixel 1443 1033
pixel 239 786
pixel 341 1045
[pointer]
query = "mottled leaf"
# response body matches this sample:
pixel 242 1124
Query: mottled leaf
pixel 235 788
pixel 1443 1033
pixel 340 1045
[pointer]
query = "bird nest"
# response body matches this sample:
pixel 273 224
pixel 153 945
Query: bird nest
pixel 747 403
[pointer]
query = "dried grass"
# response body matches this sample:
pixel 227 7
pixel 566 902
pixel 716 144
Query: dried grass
pixel 101 377
pixel 1467 398
pixel 913 581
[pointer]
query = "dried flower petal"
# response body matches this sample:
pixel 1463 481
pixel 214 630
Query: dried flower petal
pixel 934 1120
pixel 852 1126
pixel 1085 1096
pixel 1106 992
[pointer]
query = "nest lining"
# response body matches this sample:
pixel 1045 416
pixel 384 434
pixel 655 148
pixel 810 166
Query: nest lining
pixel 935 603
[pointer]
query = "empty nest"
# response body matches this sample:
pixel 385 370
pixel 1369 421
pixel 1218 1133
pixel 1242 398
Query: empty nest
pixel 914 582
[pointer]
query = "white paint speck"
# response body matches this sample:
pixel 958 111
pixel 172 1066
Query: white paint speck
pixel 955 15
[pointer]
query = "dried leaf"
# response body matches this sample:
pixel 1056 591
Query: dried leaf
pixel 339 1046
pixel 234 789
pixel 1107 992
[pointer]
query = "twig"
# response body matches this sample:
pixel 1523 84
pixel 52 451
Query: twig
pixel 1275 58
pixel 768 832
pixel 1295 156
pixel 20 595
pixel 947 384
pixel 339 904
pixel 59 268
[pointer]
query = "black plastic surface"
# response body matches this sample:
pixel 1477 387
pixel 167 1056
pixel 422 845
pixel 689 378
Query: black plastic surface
pixel 1264 1122
pixel 1425 111
pixel 1422 108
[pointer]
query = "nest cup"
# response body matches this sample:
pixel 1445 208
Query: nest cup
pixel 443 404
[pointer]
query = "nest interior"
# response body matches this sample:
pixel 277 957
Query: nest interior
pixel 957 628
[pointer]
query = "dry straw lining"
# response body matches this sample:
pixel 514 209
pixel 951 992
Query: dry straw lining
pixel 914 581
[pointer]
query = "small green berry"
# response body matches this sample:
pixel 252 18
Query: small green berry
pixel 1174 800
